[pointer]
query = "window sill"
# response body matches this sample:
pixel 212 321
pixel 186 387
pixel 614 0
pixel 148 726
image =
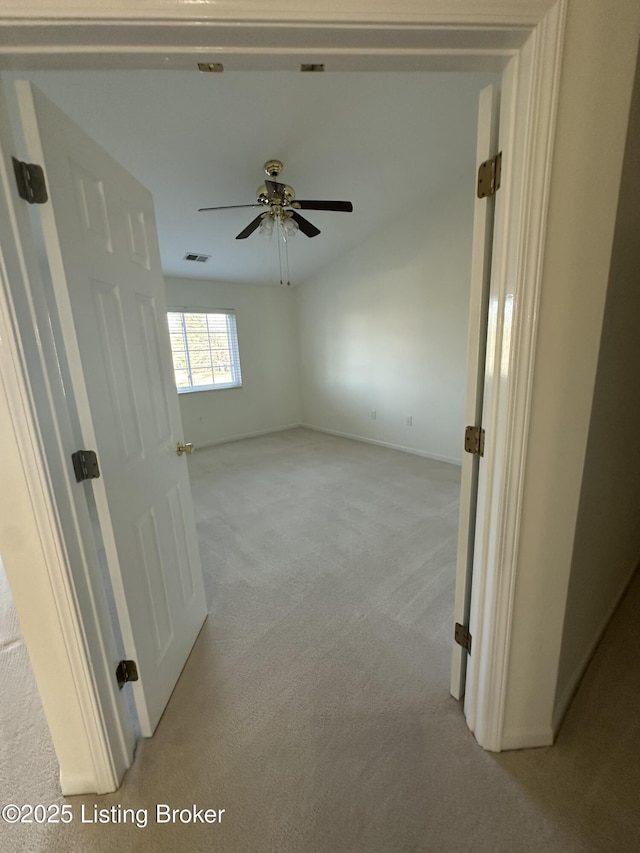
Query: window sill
pixel 207 388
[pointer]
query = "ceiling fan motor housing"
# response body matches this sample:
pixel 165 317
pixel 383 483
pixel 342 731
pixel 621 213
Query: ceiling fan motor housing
pixel 283 195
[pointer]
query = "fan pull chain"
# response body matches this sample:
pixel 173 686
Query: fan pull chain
pixel 282 242
pixel 286 255
pixel 280 231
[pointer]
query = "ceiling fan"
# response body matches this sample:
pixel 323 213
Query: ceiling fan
pixel 282 207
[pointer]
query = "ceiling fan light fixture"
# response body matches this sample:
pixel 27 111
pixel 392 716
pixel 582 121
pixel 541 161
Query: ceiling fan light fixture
pixel 289 226
pixel 266 226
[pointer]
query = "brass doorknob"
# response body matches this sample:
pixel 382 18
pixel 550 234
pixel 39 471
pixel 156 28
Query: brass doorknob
pixel 184 448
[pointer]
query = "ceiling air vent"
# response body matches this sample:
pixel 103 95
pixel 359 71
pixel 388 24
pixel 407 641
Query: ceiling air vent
pixel 192 256
pixel 211 67
pixel 312 66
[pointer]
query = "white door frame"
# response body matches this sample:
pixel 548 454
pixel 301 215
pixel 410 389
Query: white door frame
pixel 46 534
pixel 487 146
pixel 524 38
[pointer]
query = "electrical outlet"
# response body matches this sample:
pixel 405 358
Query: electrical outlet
pixel 409 420
pixel 373 414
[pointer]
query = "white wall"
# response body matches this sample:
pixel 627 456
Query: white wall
pixel 384 328
pixel 607 543
pixel 268 398
pixel 595 92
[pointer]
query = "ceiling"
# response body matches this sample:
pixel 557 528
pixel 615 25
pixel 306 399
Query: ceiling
pixel 388 142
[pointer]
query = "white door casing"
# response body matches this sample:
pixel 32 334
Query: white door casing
pixel 486 147
pixel 102 253
pixel 424 35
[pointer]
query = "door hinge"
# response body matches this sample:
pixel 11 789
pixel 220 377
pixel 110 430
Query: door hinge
pixel 32 186
pixel 489 176
pixel 474 440
pixel 85 465
pixel 463 637
pixel 126 671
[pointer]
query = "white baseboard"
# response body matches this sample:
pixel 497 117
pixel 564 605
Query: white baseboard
pixel 528 739
pixel 73 784
pixel 240 436
pixel 414 451
pixel 565 698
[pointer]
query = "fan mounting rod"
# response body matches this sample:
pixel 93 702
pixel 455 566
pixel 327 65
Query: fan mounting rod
pixel 273 168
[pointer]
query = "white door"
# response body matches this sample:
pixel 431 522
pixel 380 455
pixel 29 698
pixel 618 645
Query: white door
pixel 487 147
pixel 101 248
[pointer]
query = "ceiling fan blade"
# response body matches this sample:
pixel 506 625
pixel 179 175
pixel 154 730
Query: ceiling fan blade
pixel 304 225
pixel 251 227
pixel 228 207
pixel 344 206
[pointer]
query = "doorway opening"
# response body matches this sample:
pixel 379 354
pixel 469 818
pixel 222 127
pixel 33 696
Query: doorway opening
pixel 525 166
pixel 423 238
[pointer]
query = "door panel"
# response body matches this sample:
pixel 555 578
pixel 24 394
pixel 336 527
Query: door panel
pixel 177 512
pixel 102 253
pixel 149 322
pixel 486 147
pixel 92 208
pixel 155 577
pixel 138 246
pixel 112 343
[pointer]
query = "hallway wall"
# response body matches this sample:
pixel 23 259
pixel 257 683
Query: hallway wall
pixel 597 77
pixel 607 543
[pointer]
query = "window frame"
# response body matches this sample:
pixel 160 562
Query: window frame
pixel 234 348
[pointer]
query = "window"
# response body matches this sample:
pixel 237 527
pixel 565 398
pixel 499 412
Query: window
pixel 205 350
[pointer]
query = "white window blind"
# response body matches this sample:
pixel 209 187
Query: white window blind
pixel 205 350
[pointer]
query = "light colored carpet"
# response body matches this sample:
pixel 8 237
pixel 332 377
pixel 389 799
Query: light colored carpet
pixel 26 750
pixel 315 707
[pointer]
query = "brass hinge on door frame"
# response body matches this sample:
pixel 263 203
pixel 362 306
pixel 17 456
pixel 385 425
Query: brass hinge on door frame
pixel 126 671
pixel 463 637
pixel 85 465
pixel 30 181
pixel 474 440
pixel 489 176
